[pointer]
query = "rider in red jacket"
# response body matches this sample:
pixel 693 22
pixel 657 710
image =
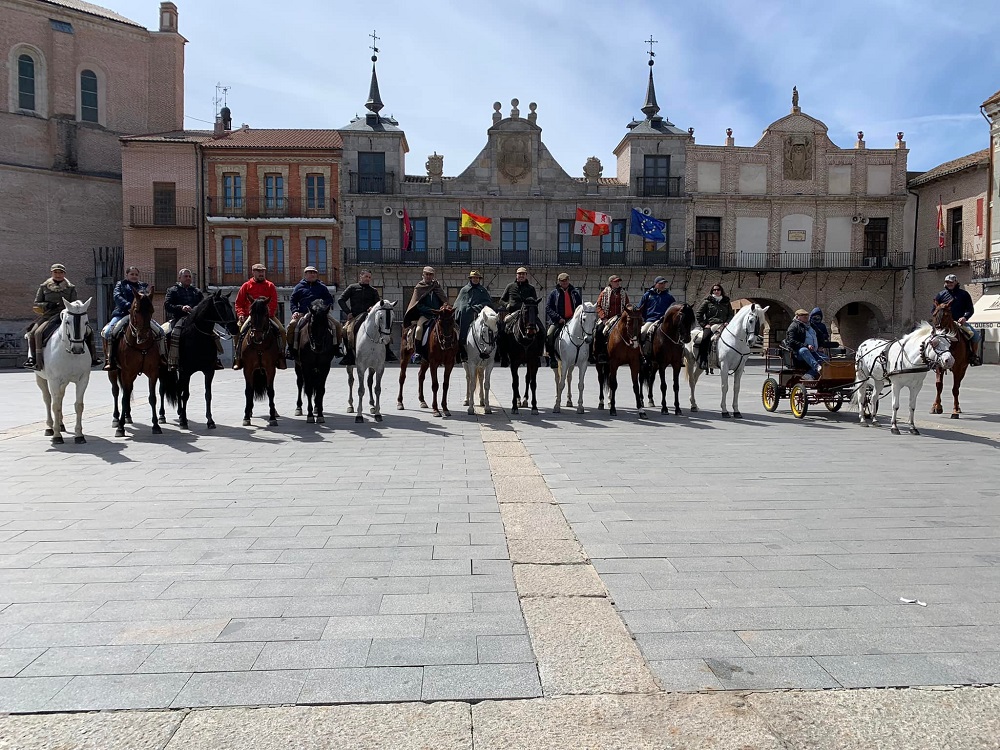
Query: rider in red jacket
pixel 257 286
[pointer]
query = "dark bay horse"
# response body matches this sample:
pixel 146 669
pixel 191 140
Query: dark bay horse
pixel 669 338
pixel 138 353
pixel 319 345
pixel 442 348
pixel 942 321
pixel 194 338
pixel 259 353
pixel 623 348
pixel 523 342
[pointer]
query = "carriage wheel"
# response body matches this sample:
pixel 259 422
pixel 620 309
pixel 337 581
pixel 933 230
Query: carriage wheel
pixel 798 399
pixel 769 394
pixel 834 403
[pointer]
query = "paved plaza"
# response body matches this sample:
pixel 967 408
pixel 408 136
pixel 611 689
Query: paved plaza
pixel 693 563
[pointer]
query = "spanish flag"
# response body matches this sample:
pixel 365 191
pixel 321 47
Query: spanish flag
pixel 481 226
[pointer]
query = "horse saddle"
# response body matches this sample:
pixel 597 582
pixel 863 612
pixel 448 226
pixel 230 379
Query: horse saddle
pixel 610 323
pixel 301 331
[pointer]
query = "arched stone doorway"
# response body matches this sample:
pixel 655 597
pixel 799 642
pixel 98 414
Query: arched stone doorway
pixel 779 317
pixel 857 321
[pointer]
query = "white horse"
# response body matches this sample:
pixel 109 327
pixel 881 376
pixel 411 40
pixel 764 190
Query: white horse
pixel 66 360
pixel 480 345
pixel 736 341
pixel 905 364
pixel 370 340
pixel 573 347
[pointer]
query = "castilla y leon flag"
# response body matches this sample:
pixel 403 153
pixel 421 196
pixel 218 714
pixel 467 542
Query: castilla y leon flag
pixel 407 231
pixel 591 223
pixel 940 226
pixel 481 226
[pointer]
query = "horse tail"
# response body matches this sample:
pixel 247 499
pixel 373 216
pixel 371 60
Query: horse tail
pixel 259 385
pixel 168 386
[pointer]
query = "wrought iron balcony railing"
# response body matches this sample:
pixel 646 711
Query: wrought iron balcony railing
pixel 379 183
pixel 162 216
pixel 986 270
pixel 661 187
pixel 271 208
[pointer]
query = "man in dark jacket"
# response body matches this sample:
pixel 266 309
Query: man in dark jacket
pixel 47 306
pixel 304 294
pixel 124 292
pixel 427 298
pixel 472 299
pixel 178 303
pixel 517 291
pixel 356 301
pixel 799 339
pixel 654 305
pixel 961 310
pixel 559 307
pixel 713 313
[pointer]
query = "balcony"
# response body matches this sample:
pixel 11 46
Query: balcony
pixel 380 183
pixel 986 271
pixel 764 261
pixel 185 217
pixel 946 257
pixel 436 256
pixel 271 208
pixel 660 187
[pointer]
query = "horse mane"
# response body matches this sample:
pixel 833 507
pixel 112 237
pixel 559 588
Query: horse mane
pixel 144 303
pixel 258 311
pixel 923 330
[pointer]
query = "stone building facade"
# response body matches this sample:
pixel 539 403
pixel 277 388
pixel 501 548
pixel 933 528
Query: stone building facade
pixel 76 77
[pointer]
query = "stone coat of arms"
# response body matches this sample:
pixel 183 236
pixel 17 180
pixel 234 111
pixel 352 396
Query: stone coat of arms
pixel 514 159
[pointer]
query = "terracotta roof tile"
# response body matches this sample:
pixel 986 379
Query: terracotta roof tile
pixel 176 136
pixel 278 139
pixel 979 158
pixel 94 10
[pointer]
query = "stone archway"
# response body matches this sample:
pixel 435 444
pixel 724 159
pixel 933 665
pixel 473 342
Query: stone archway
pixel 778 316
pixel 855 322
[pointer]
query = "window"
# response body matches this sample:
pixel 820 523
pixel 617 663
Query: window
pixel 164 204
pixel 876 241
pixel 613 244
pixel 418 235
pixel 955 232
pixel 315 191
pixel 514 241
pixel 371 173
pixel 63 26
pixel 274 191
pixel 232 190
pixel 88 96
pixel 369 230
pixel 232 255
pixel 164 268
pixel 26 82
pixel 656 176
pixel 570 245
pixel 316 253
pixel 707 241
pixel 455 242
pixel 274 254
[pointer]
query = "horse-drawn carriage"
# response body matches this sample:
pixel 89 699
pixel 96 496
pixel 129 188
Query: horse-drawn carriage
pixel 786 379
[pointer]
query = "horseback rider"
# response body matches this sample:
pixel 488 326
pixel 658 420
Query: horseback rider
pixel 962 309
pixel 610 303
pixel 427 298
pixel 512 299
pixel 471 300
pixel 559 308
pixel 47 305
pixel 254 287
pixel 124 293
pixel 654 305
pixel 178 303
pixel 802 340
pixel 303 295
pixel 356 301
pixel 713 313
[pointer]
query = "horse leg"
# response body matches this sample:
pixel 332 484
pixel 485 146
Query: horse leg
pixel 115 391
pixel 612 389
pixel 677 390
pixel 157 430
pixel 209 377
pixel 570 367
pixel 913 410
pixel 601 375
pixel 484 388
pixel 444 393
pixel 126 417
pixel 724 375
pixel 299 385
pixel 320 395
pixel 956 380
pixel 421 376
pixel 378 393
pixel 637 389
pixel 359 417
pixel 471 376
pixel 350 389
pixel 81 388
pixel 371 391
pixel 531 382
pixel 57 392
pixel 43 386
pixel 893 426
pixel 248 392
pixel 737 376
pixel 515 385
pixel 562 375
pixel 581 370
pixel 692 372
pixel 434 392
pixel 663 391
pixel 936 407
pixel 404 358
pixel 272 416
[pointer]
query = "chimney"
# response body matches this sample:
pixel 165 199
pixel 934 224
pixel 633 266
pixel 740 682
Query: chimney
pixel 168 17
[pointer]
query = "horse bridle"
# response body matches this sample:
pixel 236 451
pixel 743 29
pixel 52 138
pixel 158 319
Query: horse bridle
pixel 746 330
pixel 928 364
pixel 521 332
pixel 678 341
pixel 588 337
pixel 384 334
pixel 631 341
pixel 446 341
pixel 490 341
pixel 76 333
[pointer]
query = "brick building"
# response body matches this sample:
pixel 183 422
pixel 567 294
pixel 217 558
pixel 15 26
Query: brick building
pixel 77 77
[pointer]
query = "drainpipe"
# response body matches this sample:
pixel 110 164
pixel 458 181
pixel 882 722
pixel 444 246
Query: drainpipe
pixel 199 217
pixel 913 257
pixel 990 197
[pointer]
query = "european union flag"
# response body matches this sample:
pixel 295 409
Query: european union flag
pixel 647 226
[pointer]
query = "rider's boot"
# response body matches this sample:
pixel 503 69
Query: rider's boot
pixel 237 362
pixel 109 355
pixel 39 351
pixel 974 359
pixel 348 360
pixel 390 355
pixel 29 363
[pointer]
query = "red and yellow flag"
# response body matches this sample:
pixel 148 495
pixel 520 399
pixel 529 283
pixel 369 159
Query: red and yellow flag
pixel 480 226
pixel 940 224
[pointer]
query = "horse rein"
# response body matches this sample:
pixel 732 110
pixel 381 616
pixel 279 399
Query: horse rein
pixel 490 341
pixel 384 335
pixel 76 334
pixel 588 338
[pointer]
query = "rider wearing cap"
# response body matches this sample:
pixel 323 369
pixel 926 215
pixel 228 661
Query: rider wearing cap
pixel 254 287
pixel 610 303
pixel 961 310
pixel 427 298
pixel 654 305
pixel 304 294
pixel 801 340
pixel 178 303
pixel 559 307
pixel 471 300
pixel 47 305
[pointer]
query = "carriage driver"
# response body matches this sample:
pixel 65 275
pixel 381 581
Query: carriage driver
pixel 304 294
pixel 254 287
pixel 713 313
pixel 472 298
pixel 124 294
pixel 802 341
pixel 610 303
pixel 178 303
pixel 356 301
pixel 961 310
pixel 427 298
pixel 559 307
pixel 47 305
pixel 654 305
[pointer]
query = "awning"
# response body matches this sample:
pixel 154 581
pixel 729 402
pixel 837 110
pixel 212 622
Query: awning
pixel 987 316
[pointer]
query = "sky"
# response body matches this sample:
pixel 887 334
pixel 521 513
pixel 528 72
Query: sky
pixel 880 67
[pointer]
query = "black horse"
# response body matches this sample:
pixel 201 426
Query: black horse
pixel 312 365
pixel 195 338
pixel 523 342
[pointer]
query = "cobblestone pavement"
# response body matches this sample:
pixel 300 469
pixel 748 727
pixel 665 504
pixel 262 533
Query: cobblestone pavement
pixel 373 563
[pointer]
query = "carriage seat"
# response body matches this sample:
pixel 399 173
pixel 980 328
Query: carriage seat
pixel 789 361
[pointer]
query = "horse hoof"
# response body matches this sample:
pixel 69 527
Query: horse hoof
pixel 470 411
pixel 350 409
pixel 246 422
pixel 955 415
pixel 894 430
pixel 399 406
pixel 50 432
pixel 664 410
pixel 579 410
pixel 321 419
pixel 57 440
pixel 79 439
pixel 378 417
pixel 447 413
pixel 514 410
pixel 914 431
pixel 613 412
pixel 725 415
pixel 359 419
pixel 643 415
pixel 465 402
pixel 272 423
pixel 737 415
pixel 488 411
pixel 534 411
pixel 310 420
pixel 556 409
pixel 118 433
pixel 298 412
pixel 128 420
pixel 937 410
pixel 157 430
pixel 694 409
pixel 210 425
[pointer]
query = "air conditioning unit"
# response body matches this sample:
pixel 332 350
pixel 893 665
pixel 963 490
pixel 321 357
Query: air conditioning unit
pixel 871 262
pixel 399 213
pixel 856 219
pixel 647 211
pixel 388 210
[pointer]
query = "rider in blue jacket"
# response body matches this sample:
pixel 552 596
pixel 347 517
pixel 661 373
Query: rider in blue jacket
pixel 654 305
pixel 124 293
pixel 961 310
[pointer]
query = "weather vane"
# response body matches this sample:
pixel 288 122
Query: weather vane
pixel 374 41
pixel 651 42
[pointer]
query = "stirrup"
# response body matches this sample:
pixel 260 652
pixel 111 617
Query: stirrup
pixel 29 363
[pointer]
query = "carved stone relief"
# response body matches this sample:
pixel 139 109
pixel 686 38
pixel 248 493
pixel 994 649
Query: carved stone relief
pixel 514 160
pixel 798 157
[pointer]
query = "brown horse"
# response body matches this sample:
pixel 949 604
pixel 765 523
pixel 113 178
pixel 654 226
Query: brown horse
pixel 138 353
pixel 942 321
pixel 260 350
pixel 669 338
pixel 623 348
pixel 442 348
